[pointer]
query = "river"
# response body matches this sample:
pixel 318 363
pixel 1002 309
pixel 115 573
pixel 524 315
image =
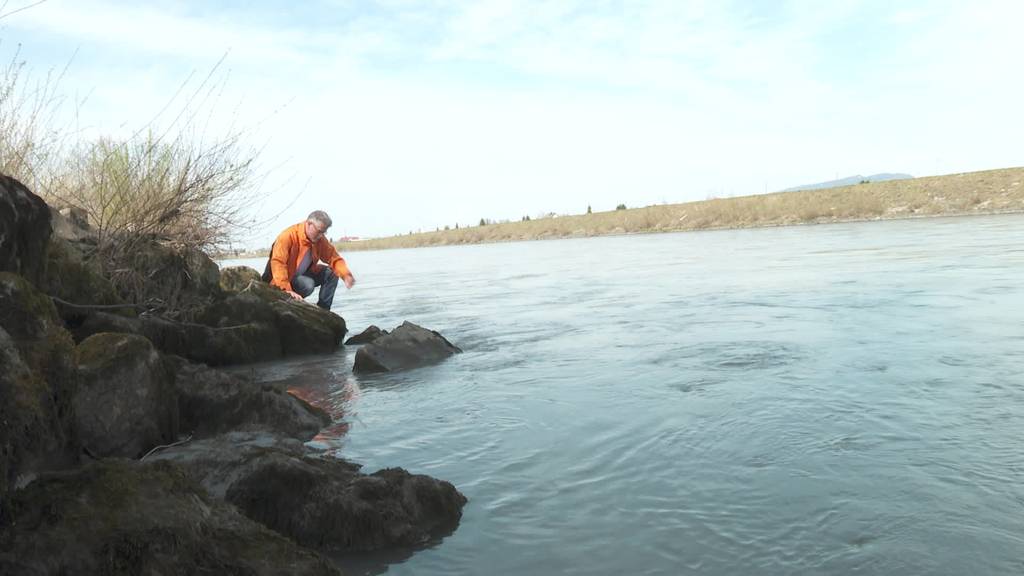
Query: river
pixel 830 399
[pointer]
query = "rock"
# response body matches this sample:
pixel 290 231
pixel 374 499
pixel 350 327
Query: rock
pixel 216 346
pixel 37 384
pixel 24 231
pixel 124 518
pixel 299 327
pixel 408 346
pixel 237 278
pixel 366 336
pixel 307 329
pixel 79 283
pixel 211 402
pixel 201 270
pixel 71 224
pixel 323 503
pixel 251 342
pixel 125 404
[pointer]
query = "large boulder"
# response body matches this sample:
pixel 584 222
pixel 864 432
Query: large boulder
pixel 123 518
pixel 320 502
pixel 37 385
pixel 408 346
pixel 216 346
pixel 24 231
pixel 307 329
pixel 212 402
pixel 125 403
pixel 300 327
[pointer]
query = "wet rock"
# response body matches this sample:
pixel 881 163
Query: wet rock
pixel 408 346
pixel 24 231
pixel 212 402
pixel 125 403
pixel 124 518
pixel 37 384
pixel 366 336
pixel 237 278
pixel 323 503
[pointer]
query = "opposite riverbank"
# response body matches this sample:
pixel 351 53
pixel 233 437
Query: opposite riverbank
pixel 971 193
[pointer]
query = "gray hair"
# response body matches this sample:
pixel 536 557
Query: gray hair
pixel 321 217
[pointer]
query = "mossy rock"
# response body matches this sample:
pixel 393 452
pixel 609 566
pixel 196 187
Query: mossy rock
pixel 307 329
pixel 25 312
pixel 77 281
pixel 238 278
pixel 125 403
pixel 122 518
pixel 37 383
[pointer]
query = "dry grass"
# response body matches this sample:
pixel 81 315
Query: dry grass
pixel 992 191
pixel 171 182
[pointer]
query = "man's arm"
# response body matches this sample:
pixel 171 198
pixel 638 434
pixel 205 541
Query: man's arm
pixel 329 254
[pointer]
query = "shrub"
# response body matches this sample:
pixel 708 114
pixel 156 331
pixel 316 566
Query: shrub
pixel 177 185
pixel 620 207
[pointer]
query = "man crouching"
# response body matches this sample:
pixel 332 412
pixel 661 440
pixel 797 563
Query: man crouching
pixel 295 261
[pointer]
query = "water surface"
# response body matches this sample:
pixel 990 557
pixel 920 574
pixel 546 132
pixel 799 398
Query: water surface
pixel 807 400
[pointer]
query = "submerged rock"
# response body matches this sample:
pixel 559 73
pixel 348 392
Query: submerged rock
pixel 324 503
pixel 124 518
pixel 366 336
pixel 125 404
pixel 407 346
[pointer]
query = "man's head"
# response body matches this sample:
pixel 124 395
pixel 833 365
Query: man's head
pixel 317 224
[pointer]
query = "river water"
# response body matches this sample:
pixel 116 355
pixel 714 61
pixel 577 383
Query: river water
pixel 830 399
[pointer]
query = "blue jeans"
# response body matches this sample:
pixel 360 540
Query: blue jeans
pixel 326 279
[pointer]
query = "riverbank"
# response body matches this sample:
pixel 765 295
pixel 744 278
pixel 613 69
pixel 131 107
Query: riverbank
pixel 114 414
pixel 971 193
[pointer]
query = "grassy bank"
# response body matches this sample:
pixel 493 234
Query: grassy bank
pixel 988 192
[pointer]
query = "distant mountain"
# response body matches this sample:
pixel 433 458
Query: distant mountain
pixel 849 181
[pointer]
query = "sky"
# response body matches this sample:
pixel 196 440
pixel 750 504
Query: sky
pixel 400 115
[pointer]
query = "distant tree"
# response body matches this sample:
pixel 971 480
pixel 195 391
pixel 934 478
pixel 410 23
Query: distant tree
pixel 456 225
pixel 446 227
pixel 865 181
pixel 527 217
pixel 589 211
pixel 620 207
pixel 483 222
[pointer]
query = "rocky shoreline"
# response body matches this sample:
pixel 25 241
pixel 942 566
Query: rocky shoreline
pixel 126 451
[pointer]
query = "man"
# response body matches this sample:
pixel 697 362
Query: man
pixel 295 257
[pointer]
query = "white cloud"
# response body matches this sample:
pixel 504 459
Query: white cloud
pixel 413 115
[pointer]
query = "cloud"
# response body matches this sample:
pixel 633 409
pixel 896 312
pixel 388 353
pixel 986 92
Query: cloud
pixel 406 115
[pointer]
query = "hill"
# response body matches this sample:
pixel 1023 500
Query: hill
pixel 849 181
pixel 988 192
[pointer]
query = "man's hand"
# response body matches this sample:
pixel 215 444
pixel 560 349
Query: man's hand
pixel 294 294
pixel 349 280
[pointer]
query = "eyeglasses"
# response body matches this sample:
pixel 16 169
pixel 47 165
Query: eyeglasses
pixel 319 231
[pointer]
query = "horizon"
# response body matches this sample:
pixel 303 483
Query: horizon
pixel 399 116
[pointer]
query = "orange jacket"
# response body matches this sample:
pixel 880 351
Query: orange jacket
pixel 289 250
